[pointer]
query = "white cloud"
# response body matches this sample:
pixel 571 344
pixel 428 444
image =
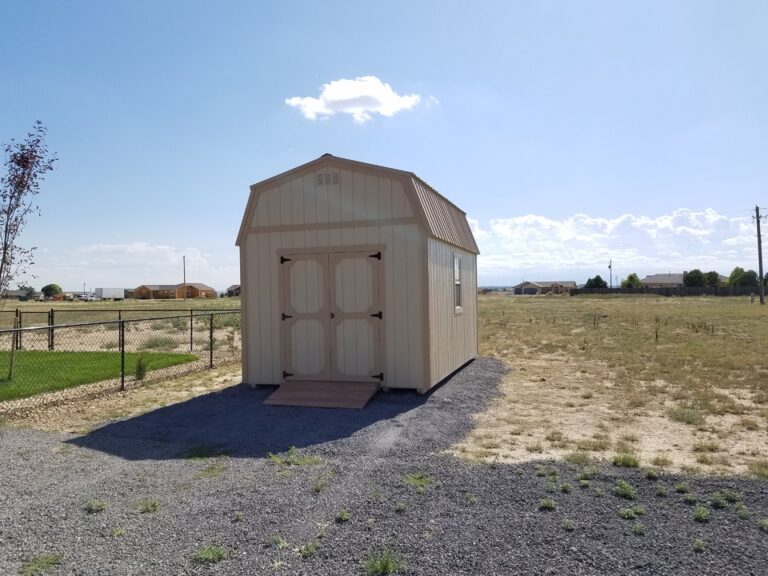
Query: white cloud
pixel 359 97
pixel 581 245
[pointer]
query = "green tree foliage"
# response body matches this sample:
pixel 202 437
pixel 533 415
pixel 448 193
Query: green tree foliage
pixel 26 164
pixel 712 278
pixel 596 282
pixel 50 290
pixel 28 290
pixel 694 278
pixel 631 281
pixel 741 277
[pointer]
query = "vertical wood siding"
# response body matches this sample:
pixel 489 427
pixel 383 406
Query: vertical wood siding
pixel 358 197
pixel 452 336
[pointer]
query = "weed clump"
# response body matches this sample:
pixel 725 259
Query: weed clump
pixel 624 489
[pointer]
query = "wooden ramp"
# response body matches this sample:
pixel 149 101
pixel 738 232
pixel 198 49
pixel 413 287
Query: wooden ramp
pixel 323 394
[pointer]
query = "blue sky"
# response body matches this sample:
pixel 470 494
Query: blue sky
pixel 570 132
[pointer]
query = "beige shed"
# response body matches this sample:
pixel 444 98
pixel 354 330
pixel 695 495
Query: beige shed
pixel 358 273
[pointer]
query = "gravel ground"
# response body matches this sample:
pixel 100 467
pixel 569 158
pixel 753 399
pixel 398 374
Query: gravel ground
pixel 463 519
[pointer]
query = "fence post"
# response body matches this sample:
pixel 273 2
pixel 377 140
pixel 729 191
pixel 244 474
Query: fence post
pixel 210 339
pixel 50 330
pixel 121 341
pixel 18 339
pixel 191 324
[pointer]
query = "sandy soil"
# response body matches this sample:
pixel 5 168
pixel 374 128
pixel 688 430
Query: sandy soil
pixel 554 405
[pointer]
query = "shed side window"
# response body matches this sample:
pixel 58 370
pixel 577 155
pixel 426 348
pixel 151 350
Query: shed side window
pixel 457 282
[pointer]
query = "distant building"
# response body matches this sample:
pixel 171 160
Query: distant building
pixel 668 280
pixel 233 290
pixel 541 287
pixel 171 291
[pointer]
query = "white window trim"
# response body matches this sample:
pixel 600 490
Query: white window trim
pixel 457 310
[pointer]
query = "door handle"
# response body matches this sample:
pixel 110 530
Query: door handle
pixel 333 315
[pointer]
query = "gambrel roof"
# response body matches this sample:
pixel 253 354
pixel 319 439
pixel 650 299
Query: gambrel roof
pixel 441 218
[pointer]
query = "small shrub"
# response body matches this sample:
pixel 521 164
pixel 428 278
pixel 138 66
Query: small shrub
pixel 701 514
pixel 661 460
pixel 699 545
pixel 686 415
pixel 758 468
pixel 638 529
pixel 730 496
pixel 95 506
pixel 400 507
pixel 237 517
pixel 763 524
pixel 343 516
pixel 547 504
pixel 550 487
pixel 319 485
pixel 706 447
pixel 624 489
pixel 471 498
pixel 599 443
pixel 717 500
pixel 741 511
pixel 568 525
pixel 535 447
pixel 158 343
pixel 276 541
pixel 382 563
pixel 117 532
pixel 627 514
pixel 690 498
pixel 148 505
pixel 309 549
pixel 682 488
pixel 599 493
pixel 651 473
pixel 141 367
pixel 662 491
pixel 579 458
pixel 584 484
pixel 627 460
pixel 419 481
pixel 565 488
pixel 212 470
pixel 210 554
pixel 40 564
pixel 588 473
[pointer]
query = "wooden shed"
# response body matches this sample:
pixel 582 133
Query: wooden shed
pixel 355 272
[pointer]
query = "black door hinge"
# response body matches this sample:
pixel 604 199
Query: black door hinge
pixel 286 374
pixel 377 256
pixel 283 259
pixel 378 315
pixel 379 376
pixel 286 316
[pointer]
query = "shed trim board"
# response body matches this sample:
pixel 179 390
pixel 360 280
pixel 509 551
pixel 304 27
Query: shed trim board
pixel 337 209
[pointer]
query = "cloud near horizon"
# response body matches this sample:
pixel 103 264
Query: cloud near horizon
pixel 526 246
pixel 359 97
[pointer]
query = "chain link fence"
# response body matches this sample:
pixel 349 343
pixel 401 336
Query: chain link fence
pixel 49 364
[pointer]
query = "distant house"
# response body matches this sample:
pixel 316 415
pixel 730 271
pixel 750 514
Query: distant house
pixel 540 287
pixel 15 294
pixel 171 291
pixel 233 290
pixel 668 280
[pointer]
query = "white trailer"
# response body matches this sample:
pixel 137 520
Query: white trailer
pixel 110 293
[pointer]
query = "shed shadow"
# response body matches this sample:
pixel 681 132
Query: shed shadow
pixel 236 422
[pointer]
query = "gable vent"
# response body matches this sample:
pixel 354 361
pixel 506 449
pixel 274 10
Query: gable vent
pixel 328 179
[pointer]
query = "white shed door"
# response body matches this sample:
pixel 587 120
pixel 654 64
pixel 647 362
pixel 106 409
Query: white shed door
pixel 332 316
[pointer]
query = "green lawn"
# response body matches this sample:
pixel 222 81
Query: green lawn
pixel 38 371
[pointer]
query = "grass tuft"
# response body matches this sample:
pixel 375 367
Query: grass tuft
pixel 382 563
pixel 624 489
pixel 40 564
pixel 701 514
pixel 420 481
pixel 547 504
pixel 292 458
pixel 343 516
pixel 627 460
pixel 95 506
pixel 147 505
pixel 210 554
pixel 686 415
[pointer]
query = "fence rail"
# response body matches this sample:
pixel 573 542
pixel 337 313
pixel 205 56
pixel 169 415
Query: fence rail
pixel 52 362
pixel 673 291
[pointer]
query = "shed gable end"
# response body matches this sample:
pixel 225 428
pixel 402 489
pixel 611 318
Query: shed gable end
pixel 330 195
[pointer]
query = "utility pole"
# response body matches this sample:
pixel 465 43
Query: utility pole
pixel 760 279
pixel 184 265
pixel 610 274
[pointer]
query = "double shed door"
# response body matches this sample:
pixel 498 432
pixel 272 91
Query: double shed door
pixel 332 316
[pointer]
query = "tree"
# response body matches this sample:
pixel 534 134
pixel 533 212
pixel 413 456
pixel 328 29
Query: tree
pixel 694 278
pixel 596 282
pixel 740 277
pixel 28 290
pixel 50 290
pixel 712 279
pixel 631 281
pixel 26 164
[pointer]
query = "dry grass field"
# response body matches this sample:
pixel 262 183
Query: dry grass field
pixel 678 383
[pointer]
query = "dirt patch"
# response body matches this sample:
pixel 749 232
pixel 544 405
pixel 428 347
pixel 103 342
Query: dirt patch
pixel 80 415
pixel 554 405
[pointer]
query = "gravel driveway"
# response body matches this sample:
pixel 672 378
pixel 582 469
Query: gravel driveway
pixel 359 483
